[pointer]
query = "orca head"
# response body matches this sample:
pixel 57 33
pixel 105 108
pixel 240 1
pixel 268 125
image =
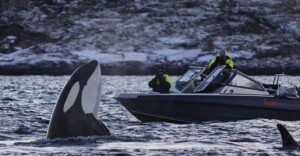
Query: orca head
pixel 287 140
pixel 86 80
pixel 76 110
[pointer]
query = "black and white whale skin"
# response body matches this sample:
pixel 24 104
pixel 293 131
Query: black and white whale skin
pixel 76 111
pixel 287 140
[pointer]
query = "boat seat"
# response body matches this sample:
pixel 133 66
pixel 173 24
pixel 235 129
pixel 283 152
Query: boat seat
pixel 271 88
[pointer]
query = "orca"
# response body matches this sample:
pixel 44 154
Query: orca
pixel 287 140
pixel 76 111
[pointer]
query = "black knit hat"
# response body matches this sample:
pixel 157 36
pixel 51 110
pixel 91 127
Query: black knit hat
pixel 161 70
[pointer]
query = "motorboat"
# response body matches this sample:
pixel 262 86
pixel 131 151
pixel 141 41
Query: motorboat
pixel 223 95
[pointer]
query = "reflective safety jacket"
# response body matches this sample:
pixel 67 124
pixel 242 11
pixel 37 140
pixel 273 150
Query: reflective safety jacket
pixel 162 85
pixel 216 61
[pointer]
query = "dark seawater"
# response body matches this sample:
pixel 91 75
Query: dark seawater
pixel 26 104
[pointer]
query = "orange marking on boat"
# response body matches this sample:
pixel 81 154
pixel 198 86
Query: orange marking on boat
pixel 269 102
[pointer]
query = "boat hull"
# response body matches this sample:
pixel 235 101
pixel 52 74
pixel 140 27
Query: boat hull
pixel 186 108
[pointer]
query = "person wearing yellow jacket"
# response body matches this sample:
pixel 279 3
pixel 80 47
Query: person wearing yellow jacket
pixel 221 59
pixel 161 82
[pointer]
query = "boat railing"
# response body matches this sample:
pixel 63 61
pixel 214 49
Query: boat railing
pixel 279 89
pixel 277 77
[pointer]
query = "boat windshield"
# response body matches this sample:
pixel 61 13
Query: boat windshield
pixel 210 78
pixel 188 77
pixel 242 81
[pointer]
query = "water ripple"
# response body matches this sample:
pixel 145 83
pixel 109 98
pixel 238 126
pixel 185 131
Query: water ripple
pixel 22 129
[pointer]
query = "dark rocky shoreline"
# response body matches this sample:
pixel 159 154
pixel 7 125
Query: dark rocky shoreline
pixel 133 68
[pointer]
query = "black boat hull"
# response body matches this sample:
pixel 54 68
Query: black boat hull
pixel 186 108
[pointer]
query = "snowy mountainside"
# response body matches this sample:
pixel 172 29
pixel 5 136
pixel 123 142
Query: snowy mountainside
pixel 137 36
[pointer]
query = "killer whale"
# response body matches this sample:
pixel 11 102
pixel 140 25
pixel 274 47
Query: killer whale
pixel 76 111
pixel 287 140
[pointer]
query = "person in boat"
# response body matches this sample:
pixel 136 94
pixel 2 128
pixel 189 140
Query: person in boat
pixel 161 82
pixel 221 59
